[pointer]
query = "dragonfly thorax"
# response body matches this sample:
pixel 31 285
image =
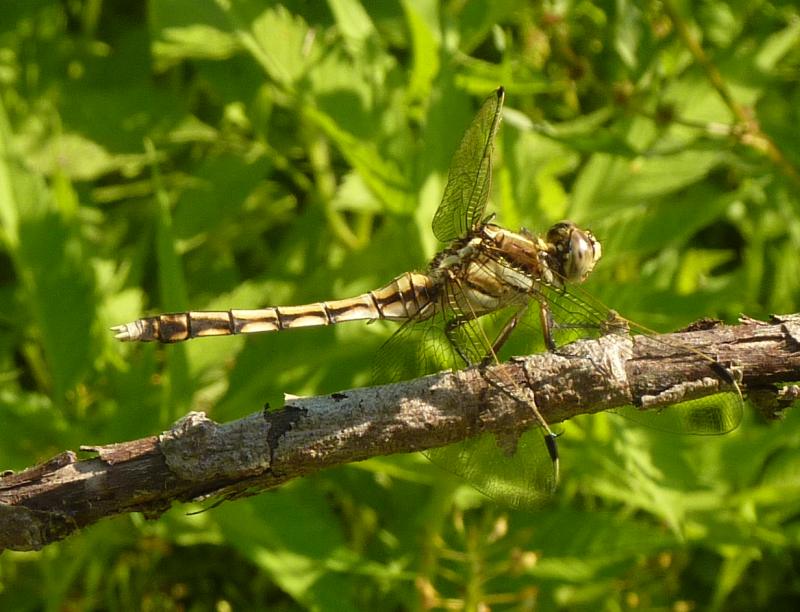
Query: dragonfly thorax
pixel 567 254
pixel 458 254
pixel 517 261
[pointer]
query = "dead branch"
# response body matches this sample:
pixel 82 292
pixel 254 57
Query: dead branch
pixel 198 458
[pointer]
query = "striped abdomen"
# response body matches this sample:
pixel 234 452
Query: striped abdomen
pixel 408 295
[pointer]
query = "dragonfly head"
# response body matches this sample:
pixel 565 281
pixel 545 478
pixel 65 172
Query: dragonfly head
pixel 576 250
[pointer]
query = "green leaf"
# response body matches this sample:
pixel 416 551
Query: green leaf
pixel 381 175
pixel 281 42
pixel 49 259
pixel 354 23
pixel 195 41
pixel 608 184
pixel 190 29
pixel 422 19
pixel 293 537
pixel 628 32
pixel 777 45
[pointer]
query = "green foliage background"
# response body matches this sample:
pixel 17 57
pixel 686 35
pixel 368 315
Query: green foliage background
pixel 208 154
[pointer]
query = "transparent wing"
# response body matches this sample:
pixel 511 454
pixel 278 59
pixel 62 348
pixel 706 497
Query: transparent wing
pixel 416 349
pixel 470 175
pixel 425 346
pixel 710 415
pixel 713 415
pixel 576 314
pixel 571 314
pixel 516 472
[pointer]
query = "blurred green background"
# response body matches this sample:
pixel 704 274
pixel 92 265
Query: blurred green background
pixel 190 153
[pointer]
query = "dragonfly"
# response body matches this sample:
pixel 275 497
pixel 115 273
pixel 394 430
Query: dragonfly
pixel 460 311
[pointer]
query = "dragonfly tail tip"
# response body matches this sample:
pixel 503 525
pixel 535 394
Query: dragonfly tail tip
pixel 122 333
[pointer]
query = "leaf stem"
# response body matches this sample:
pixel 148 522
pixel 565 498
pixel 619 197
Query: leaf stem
pixel 748 130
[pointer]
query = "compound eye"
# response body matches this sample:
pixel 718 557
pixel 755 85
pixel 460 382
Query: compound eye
pixel 580 258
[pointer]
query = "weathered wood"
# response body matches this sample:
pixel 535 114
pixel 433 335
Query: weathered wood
pixel 198 458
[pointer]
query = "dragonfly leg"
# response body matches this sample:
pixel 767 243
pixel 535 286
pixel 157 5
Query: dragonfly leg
pixel 491 356
pixel 524 394
pixel 450 333
pixel 551 442
pixel 550 438
pixel 725 373
pixel 546 318
pixel 502 337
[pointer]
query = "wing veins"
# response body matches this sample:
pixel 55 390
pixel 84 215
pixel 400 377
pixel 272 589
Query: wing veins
pixel 470 174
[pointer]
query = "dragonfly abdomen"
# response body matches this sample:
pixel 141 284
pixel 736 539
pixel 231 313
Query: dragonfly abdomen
pixel 409 295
